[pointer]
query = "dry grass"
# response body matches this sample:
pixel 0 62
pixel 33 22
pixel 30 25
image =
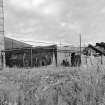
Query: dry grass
pixel 53 86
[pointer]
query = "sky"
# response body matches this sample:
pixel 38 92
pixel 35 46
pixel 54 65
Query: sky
pixel 55 21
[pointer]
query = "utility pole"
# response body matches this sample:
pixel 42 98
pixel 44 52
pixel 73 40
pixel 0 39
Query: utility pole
pixel 80 44
pixel 2 56
pixel 80 48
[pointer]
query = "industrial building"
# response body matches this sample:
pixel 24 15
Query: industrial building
pixel 20 54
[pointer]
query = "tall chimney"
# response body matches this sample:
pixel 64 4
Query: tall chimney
pixel 1 33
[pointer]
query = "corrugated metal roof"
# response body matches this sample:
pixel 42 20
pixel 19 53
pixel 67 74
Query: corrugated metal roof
pixel 13 44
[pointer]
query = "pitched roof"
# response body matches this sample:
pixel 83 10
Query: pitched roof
pixel 12 44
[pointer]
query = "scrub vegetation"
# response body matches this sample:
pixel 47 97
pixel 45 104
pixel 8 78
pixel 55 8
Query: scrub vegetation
pixel 53 86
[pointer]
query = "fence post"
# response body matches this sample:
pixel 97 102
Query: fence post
pixel 101 60
pixel 3 60
pixel 31 58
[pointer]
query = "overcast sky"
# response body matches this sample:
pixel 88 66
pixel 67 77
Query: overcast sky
pixel 55 20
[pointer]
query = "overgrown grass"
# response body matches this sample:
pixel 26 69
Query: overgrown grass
pixel 53 86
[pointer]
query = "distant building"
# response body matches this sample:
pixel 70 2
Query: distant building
pixel 97 52
pixel 19 54
pixel 64 54
pixel 98 49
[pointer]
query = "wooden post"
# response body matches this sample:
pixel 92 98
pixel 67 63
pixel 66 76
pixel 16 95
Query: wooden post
pixel 12 43
pixel 80 47
pixel 101 60
pixel 86 59
pixel 31 58
pixel 3 59
pixel 23 59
